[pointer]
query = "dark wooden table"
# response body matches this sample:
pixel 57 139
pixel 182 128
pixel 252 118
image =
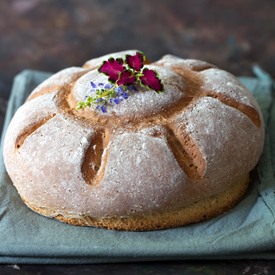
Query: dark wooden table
pixel 154 268
pixel 52 35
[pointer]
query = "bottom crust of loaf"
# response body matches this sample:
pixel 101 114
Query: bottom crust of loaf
pixel 196 212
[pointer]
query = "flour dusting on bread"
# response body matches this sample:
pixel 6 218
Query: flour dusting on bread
pixel 153 161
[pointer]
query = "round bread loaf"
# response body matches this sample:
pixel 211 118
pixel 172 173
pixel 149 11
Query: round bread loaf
pixel 154 161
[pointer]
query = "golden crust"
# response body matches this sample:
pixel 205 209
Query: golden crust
pixel 196 212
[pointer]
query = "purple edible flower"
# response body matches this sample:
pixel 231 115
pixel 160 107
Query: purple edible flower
pixel 132 87
pixel 93 84
pixel 108 86
pixel 122 79
pixel 124 95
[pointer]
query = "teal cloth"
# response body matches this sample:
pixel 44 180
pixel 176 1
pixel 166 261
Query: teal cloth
pixel 244 232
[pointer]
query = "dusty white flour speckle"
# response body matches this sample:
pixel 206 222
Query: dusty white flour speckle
pixel 140 103
pixel 222 82
pixel 48 145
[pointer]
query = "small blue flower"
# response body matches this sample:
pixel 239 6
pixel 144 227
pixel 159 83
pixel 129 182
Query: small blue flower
pixel 124 95
pixel 93 84
pixel 132 87
pixel 116 100
pixel 108 86
pixel 118 94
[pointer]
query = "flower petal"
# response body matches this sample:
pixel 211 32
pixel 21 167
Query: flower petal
pixel 126 78
pixel 151 80
pixel 93 84
pixel 112 68
pixel 135 62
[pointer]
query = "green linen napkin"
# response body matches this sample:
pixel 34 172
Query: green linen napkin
pixel 244 232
